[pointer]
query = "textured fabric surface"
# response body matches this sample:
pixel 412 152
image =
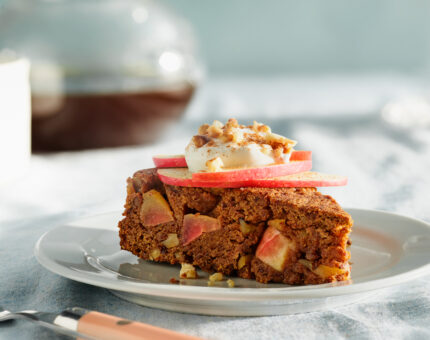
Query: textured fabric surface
pixel 387 168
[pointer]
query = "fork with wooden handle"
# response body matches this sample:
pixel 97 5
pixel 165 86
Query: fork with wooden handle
pixel 87 324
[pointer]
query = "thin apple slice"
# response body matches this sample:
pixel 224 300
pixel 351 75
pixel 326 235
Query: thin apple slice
pixel 301 155
pixel 176 176
pixel 196 224
pixel 246 174
pixel 304 179
pixel 183 178
pixel 169 161
pixel 273 248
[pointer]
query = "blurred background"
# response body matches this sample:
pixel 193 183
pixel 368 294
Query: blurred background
pixel 255 37
pixel 90 90
pixel 123 79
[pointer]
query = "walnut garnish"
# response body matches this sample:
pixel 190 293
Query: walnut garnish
pixel 203 129
pixel 232 135
pixel 200 140
pixel 187 271
pixel 232 123
pixel 264 128
pixel 229 133
pixel 215 130
pixel 218 124
pixel 277 141
pixel 260 127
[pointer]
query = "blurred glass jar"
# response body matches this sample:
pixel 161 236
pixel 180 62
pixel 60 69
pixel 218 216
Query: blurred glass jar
pixel 104 72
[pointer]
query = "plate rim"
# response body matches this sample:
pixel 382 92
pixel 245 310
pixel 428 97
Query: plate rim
pixel 236 293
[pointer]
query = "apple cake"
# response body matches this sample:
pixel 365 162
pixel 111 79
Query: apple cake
pixel 289 235
pixel 240 202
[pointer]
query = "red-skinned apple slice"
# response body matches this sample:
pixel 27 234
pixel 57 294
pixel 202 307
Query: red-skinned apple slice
pixel 273 248
pixel 304 179
pixel 169 161
pixel 301 155
pixel 196 224
pixel 177 176
pixel 182 177
pixel 246 174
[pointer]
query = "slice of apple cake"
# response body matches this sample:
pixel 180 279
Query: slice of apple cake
pixel 288 235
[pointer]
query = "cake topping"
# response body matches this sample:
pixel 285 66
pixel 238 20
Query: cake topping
pixel 220 147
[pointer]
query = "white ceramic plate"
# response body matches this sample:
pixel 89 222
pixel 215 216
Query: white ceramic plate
pixel 387 249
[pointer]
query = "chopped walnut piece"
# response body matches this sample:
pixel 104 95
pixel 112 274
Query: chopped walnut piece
pixel 230 283
pixel 214 164
pixel 277 141
pixel 218 124
pixel 215 131
pixel 171 241
pixel 260 127
pixel 154 254
pixel 264 128
pixel 200 140
pixel 232 123
pixel 227 137
pixel 187 271
pixel 203 129
pixel 216 277
pixel 234 136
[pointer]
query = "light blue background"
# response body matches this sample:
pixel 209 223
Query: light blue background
pixel 311 36
pixel 254 36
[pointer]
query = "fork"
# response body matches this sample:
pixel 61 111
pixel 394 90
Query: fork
pixel 79 322
pixel 47 320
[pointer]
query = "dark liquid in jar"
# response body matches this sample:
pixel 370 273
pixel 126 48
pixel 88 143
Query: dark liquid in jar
pixel 84 121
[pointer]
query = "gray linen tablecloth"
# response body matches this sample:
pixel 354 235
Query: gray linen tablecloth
pixel 337 118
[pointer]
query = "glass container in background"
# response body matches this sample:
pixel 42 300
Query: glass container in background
pixel 103 73
pixel 14 116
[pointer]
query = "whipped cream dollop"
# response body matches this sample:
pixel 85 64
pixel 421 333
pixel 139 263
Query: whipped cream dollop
pixel 219 147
